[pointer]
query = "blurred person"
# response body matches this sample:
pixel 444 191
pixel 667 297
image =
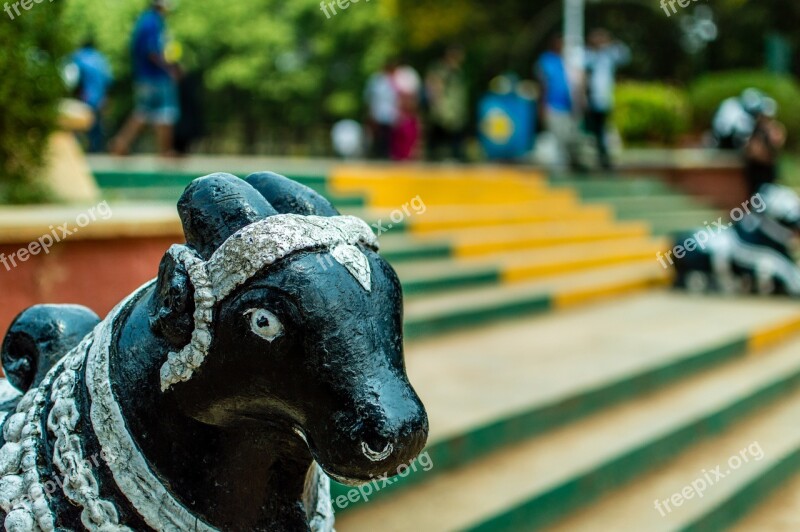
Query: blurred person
pixel 603 57
pixel 406 133
pixel 94 78
pixel 763 149
pixel 735 119
pixel 448 102
pixel 383 103
pixel 154 84
pixel 558 108
pixel 191 123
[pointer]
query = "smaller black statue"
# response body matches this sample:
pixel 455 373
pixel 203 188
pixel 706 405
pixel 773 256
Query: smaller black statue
pixel 752 254
pixel 266 357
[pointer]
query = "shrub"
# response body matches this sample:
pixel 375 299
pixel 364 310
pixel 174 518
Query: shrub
pixel 651 113
pixel 710 90
pixel 31 46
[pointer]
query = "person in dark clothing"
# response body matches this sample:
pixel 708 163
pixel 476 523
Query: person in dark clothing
pixel 603 58
pixel 448 103
pixel 191 125
pixel 763 149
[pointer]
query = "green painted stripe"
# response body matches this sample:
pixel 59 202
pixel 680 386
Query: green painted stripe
pixel 168 186
pixel 547 507
pixel 421 327
pixel 454 281
pixel 737 506
pixel 122 179
pixel 599 190
pixel 419 252
pixel 478 442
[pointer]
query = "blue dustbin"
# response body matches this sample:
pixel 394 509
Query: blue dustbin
pixel 507 120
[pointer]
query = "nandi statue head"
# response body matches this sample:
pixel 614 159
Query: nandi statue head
pixel 266 357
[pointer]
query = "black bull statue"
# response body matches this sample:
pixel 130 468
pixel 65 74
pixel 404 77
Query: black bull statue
pixel 266 357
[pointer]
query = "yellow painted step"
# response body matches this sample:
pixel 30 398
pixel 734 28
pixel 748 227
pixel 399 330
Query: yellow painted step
pixel 565 290
pixel 486 241
pixel 542 262
pixel 560 259
pixel 508 216
pixel 391 187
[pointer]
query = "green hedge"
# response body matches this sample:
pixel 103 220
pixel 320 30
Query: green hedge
pixel 651 113
pixel 31 46
pixel 709 91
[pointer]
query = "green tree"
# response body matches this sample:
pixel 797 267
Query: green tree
pixel 267 64
pixel 30 88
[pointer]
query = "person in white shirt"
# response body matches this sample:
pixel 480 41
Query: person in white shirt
pixel 603 58
pixel 383 102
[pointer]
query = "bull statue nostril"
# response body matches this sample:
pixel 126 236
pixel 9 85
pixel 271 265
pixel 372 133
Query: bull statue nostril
pixel 376 456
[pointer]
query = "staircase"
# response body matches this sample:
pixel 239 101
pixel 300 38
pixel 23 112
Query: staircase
pixel 567 389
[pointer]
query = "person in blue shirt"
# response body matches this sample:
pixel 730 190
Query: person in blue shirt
pixel 557 106
pixel 94 78
pixel 155 84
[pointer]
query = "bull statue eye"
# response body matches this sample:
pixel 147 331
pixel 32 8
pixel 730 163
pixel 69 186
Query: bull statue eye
pixel 264 323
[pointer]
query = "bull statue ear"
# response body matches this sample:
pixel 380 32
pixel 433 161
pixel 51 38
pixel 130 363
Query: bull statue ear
pixel 212 208
pixel 172 311
pixel 290 197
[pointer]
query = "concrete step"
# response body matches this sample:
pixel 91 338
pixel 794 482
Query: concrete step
pixel 595 188
pixel 439 186
pixel 663 223
pixel 437 219
pixel 779 511
pixel 529 485
pixel 486 240
pixel 402 246
pixel 719 479
pixel 482 399
pixel 428 315
pixel 644 205
pixel 436 275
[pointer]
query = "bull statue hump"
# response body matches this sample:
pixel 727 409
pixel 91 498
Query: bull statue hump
pixel 264 359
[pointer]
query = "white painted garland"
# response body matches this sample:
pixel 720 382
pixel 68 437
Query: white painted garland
pixel 130 470
pixel 22 494
pixel 80 484
pixel 246 253
pixel 159 509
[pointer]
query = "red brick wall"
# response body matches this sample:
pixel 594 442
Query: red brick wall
pixel 94 273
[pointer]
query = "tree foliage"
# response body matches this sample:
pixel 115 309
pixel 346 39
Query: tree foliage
pixel 30 88
pixel 266 63
pixel 283 67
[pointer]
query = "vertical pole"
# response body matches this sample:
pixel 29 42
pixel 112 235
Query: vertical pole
pixel 573 37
